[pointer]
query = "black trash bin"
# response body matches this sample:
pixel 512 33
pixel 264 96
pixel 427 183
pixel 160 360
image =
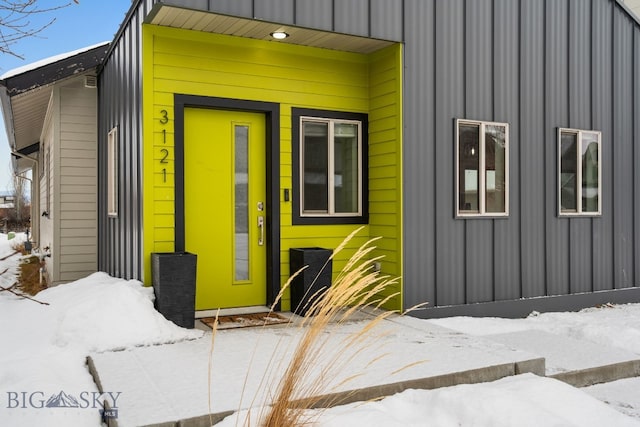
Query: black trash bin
pixel 305 286
pixel 174 284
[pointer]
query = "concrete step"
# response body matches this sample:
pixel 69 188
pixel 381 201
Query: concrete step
pixel 575 361
pixel 168 385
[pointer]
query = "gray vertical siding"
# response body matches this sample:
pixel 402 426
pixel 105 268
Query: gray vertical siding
pixel 275 10
pixel 556 114
pixel 636 151
pixel 506 260
pixel 315 13
pixel 479 243
pixel 351 17
pixel 419 119
pixel 537 65
pixel 602 97
pixel 370 18
pixel 449 104
pixel 622 146
pixel 579 91
pixel 120 102
pixel 385 19
pixel 242 8
pixel 530 165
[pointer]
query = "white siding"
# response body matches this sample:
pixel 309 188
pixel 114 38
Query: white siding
pixel 46 176
pixel 68 183
pixel 77 184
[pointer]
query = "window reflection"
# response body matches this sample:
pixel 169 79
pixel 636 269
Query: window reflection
pixel 568 171
pixel 315 166
pixel 590 178
pixel 469 164
pixel 495 166
pixel 346 167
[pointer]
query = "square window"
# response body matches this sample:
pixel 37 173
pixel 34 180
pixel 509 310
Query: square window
pixel 112 172
pixel 482 169
pixel 329 167
pixel 580 175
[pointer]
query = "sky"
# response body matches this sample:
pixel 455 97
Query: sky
pixel 84 24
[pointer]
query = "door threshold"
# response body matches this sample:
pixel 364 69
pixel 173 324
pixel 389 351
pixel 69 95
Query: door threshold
pixel 232 311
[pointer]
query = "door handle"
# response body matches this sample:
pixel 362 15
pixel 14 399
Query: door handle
pixel 261 227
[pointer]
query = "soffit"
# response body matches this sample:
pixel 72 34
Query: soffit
pixel 170 16
pixel 29 111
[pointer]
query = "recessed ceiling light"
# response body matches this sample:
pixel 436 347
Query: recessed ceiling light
pixel 279 35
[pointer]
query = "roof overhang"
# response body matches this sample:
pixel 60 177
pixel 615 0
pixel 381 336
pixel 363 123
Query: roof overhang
pixel 25 95
pixel 168 15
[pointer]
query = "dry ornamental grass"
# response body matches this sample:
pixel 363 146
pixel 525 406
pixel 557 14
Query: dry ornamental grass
pixel 29 280
pixel 317 368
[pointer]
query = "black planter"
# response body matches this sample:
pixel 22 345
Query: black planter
pixel 174 284
pixel 306 286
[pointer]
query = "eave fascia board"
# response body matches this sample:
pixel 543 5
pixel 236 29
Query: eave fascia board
pixel 7 115
pixel 55 71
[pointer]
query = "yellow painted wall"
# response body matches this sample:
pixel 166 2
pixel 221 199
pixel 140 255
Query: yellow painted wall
pixel 385 161
pixel 196 63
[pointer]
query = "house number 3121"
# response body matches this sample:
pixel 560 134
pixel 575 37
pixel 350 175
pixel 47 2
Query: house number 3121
pixel 164 119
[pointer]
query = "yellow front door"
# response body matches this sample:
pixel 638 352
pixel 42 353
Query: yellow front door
pixel 224 202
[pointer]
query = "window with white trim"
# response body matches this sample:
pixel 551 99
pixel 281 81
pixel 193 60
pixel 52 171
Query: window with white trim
pixel 580 174
pixel 329 167
pixel 112 172
pixel 482 168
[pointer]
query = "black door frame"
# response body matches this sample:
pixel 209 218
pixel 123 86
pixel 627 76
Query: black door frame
pixel 271 112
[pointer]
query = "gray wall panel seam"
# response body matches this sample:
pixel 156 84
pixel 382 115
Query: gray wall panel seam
pixel 520 225
pixel 633 156
pixel 493 116
pixel 591 125
pixel 493 66
pixel 572 123
pixel 333 15
pixel 613 134
pixel 370 18
pixel 544 146
pixel 465 238
pixel 572 120
pixel 402 20
pixel 435 180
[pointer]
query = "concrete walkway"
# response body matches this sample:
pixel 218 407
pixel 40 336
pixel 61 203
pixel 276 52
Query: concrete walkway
pixel 168 385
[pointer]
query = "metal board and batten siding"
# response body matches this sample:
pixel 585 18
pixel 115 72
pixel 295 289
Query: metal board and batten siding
pixel 537 65
pixel 120 104
pixel 381 19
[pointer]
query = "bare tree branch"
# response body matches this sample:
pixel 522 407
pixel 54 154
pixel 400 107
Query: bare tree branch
pixel 21 295
pixel 15 24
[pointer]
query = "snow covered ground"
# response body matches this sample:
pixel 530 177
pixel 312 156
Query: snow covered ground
pixel 43 350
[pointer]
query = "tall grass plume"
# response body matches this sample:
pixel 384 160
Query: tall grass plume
pixel 317 370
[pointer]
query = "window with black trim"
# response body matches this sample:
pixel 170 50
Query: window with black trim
pixel 482 166
pixel 329 167
pixel 580 174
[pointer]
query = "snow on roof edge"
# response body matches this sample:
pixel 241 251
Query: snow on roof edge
pixel 50 60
